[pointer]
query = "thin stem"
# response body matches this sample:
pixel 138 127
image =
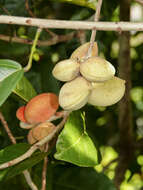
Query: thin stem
pixel 13 140
pixel 29 65
pixel 93 34
pixel 28 9
pixel 5 10
pixel 34 16
pixel 5 125
pixel 29 181
pixel 50 42
pixel 44 172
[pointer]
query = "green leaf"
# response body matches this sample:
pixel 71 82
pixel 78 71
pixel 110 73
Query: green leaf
pixel 24 89
pixel 86 3
pixel 13 151
pixel 26 164
pixel 10 73
pixel 74 145
pixel 72 177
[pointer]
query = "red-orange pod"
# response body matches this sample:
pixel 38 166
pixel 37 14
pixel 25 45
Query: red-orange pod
pixel 20 114
pixel 41 108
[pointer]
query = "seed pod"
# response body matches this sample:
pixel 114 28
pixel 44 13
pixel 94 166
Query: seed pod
pixel 41 108
pixel 96 69
pixel 107 93
pixel 39 132
pixel 20 114
pixel 66 70
pixel 82 50
pixel 42 130
pixel 30 137
pixel 74 94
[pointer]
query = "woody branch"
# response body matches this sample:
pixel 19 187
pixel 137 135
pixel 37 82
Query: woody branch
pixel 64 24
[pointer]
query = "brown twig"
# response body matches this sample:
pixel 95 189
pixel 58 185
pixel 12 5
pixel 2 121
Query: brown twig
pixel 5 10
pixel 44 171
pixel 34 16
pixel 52 41
pixel 13 140
pixel 33 148
pixel 93 35
pixel 29 180
pixel 5 125
pixel 28 9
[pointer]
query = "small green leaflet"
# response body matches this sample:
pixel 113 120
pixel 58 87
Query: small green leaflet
pixel 74 145
pixel 10 73
pixel 24 89
pixel 85 3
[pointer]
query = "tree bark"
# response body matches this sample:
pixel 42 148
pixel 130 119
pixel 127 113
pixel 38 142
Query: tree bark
pixel 125 111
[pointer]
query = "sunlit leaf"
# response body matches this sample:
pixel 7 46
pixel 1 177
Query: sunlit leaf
pixel 74 145
pixel 10 73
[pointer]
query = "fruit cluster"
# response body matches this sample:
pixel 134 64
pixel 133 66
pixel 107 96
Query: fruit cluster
pixel 88 80
pixel 36 113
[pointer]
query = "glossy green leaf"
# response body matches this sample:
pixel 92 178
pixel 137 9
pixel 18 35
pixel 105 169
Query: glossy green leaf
pixel 74 145
pixel 72 177
pixel 86 3
pixel 13 151
pixel 24 89
pixel 26 164
pixel 10 73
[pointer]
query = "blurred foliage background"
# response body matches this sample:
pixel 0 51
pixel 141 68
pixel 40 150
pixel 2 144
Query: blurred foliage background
pixel 101 121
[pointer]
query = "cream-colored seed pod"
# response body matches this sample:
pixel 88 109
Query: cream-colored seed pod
pixel 74 94
pixel 82 50
pixel 97 69
pixel 107 93
pixel 66 70
pixel 42 130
